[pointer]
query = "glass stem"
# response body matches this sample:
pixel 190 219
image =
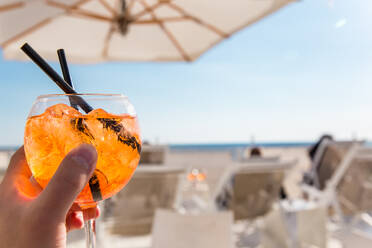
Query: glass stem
pixel 90 233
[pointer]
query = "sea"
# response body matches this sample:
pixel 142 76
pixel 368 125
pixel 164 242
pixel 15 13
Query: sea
pixel 216 146
pixel 234 146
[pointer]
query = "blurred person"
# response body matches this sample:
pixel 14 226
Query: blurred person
pixel 34 217
pixel 255 152
pixel 308 177
pixel 314 148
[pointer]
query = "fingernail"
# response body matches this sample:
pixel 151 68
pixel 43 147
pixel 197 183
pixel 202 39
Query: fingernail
pixel 86 155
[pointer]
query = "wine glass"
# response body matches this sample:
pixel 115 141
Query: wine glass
pixel 56 125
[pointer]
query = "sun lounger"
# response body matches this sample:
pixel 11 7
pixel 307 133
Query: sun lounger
pixel 348 191
pixel 355 189
pixel 328 156
pixel 175 230
pixel 255 187
pixel 294 225
pixel 254 193
pixel 346 179
pixel 153 154
pixel 132 210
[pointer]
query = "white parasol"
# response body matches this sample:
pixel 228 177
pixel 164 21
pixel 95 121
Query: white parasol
pixel 125 30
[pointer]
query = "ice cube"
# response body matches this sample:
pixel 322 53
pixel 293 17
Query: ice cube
pixel 98 113
pixel 60 110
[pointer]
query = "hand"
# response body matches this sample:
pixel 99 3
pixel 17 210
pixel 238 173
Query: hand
pixel 32 217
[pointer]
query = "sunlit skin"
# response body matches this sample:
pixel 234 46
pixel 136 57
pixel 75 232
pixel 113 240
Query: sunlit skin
pixel 51 135
pixel 33 217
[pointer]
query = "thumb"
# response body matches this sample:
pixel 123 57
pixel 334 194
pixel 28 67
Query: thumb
pixel 69 180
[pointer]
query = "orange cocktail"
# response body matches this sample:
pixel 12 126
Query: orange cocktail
pixel 49 136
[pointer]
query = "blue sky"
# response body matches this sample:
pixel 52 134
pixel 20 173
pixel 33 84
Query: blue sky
pixel 303 71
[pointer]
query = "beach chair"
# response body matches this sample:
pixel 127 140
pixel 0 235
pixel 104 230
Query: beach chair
pixel 355 189
pixel 175 230
pixel 251 190
pixel 328 156
pixel 348 192
pixel 132 210
pixel 254 193
pixel 254 187
pixel 290 226
pixel 345 183
pixel 153 154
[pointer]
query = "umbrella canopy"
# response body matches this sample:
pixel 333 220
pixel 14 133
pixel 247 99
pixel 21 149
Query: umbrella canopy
pixel 127 30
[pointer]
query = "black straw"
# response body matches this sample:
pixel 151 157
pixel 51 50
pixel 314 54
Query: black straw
pixel 64 67
pixel 66 74
pixel 47 69
pixel 30 52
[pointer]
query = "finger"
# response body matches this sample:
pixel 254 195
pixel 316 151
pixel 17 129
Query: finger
pixel 70 178
pixel 75 207
pixel 18 177
pixel 76 217
pixel 74 220
pixel 91 213
pixel 17 166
